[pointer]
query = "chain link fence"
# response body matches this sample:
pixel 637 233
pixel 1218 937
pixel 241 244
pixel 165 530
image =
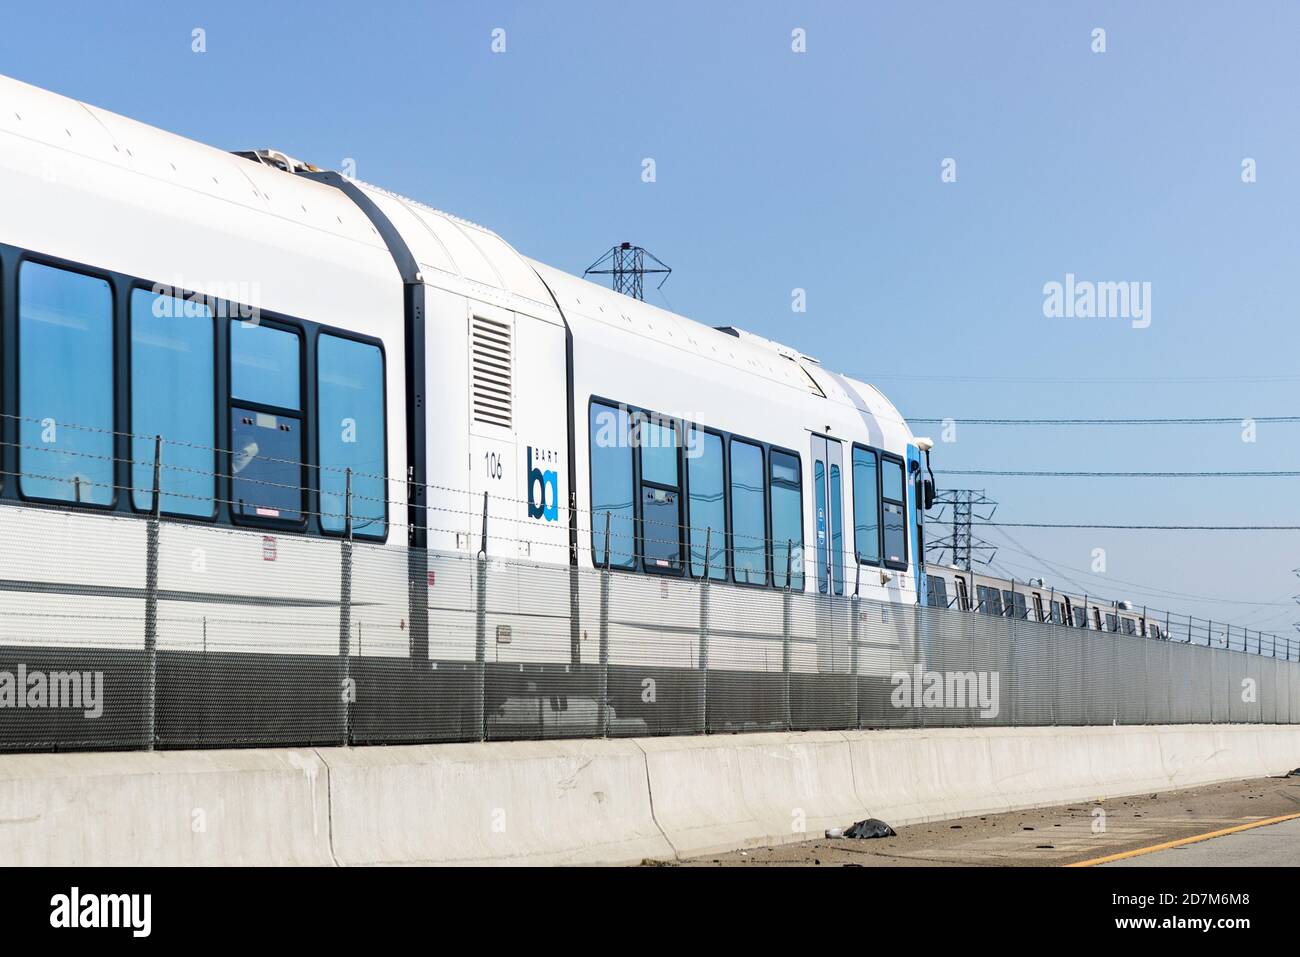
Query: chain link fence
pixel 121 632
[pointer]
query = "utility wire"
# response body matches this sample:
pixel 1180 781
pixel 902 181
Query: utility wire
pixel 1051 474
pixel 1150 528
pixel 1187 420
pixel 1147 380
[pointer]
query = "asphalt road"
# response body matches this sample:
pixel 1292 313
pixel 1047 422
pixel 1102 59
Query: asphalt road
pixel 1273 845
pixel 1072 834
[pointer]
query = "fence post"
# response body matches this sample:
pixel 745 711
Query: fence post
pixel 346 692
pixel 604 637
pixel 1011 718
pixel 855 628
pixel 480 630
pixel 704 633
pixel 786 624
pixel 151 595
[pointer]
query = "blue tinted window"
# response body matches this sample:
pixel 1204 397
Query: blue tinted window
pixel 172 395
pixel 350 426
pixel 65 357
pixel 708 503
pixel 266 448
pixel 819 490
pixel 264 365
pixel 748 522
pixel 891 479
pixel 866 506
pixel 892 511
pixel 787 521
pixel 658 441
pixel 266 477
pixel 837 529
pixel 661 521
pixel 611 486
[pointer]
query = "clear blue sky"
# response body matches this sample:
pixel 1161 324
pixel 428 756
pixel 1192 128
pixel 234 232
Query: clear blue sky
pixel 821 170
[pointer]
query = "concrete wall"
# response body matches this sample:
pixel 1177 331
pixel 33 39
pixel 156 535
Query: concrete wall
pixel 575 802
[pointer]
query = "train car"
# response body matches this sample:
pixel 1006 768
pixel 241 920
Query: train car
pixel 295 372
pixel 1032 600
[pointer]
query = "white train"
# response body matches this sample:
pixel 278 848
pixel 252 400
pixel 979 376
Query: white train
pixel 282 327
pixel 949 586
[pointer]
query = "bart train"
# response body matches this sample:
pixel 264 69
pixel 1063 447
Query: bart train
pixel 324 359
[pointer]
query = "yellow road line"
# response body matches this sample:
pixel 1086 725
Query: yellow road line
pixel 1195 839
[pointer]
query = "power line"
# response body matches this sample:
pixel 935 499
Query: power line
pixel 1203 420
pixel 1050 474
pixel 1151 528
pixel 1145 380
pixel 1110 581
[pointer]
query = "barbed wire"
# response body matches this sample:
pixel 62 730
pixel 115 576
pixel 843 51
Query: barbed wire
pixel 625 541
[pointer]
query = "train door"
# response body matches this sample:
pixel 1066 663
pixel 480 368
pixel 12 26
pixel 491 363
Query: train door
pixel 828 514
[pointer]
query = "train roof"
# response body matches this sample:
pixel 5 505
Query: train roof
pixel 158 205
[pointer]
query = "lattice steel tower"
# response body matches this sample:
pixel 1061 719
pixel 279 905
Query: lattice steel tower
pixel 625 264
pixel 962 542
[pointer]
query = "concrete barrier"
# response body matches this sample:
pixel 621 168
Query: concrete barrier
pixel 164 808
pixel 719 793
pixel 553 802
pixel 579 802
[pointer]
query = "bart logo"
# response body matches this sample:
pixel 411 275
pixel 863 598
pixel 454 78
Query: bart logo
pixel 543 492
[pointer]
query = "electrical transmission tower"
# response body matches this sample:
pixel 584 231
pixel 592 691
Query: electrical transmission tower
pixel 962 542
pixel 625 264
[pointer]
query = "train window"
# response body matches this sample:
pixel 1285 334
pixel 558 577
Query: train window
pixel 1039 614
pixel 1112 622
pixel 866 506
pixel 265 364
pixel 1130 627
pixel 1058 613
pixel 893 511
pixel 173 341
pixel 748 520
pixel 963 596
pixel 660 495
pixel 837 529
pixel 819 497
pixel 611 486
pixel 351 433
pixel 266 438
pixel 1013 604
pixel 708 503
pixel 1096 619
pixel 1080 616
pixel 936 591
pixel 65 360
pixel 787 520
pixel 990 600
